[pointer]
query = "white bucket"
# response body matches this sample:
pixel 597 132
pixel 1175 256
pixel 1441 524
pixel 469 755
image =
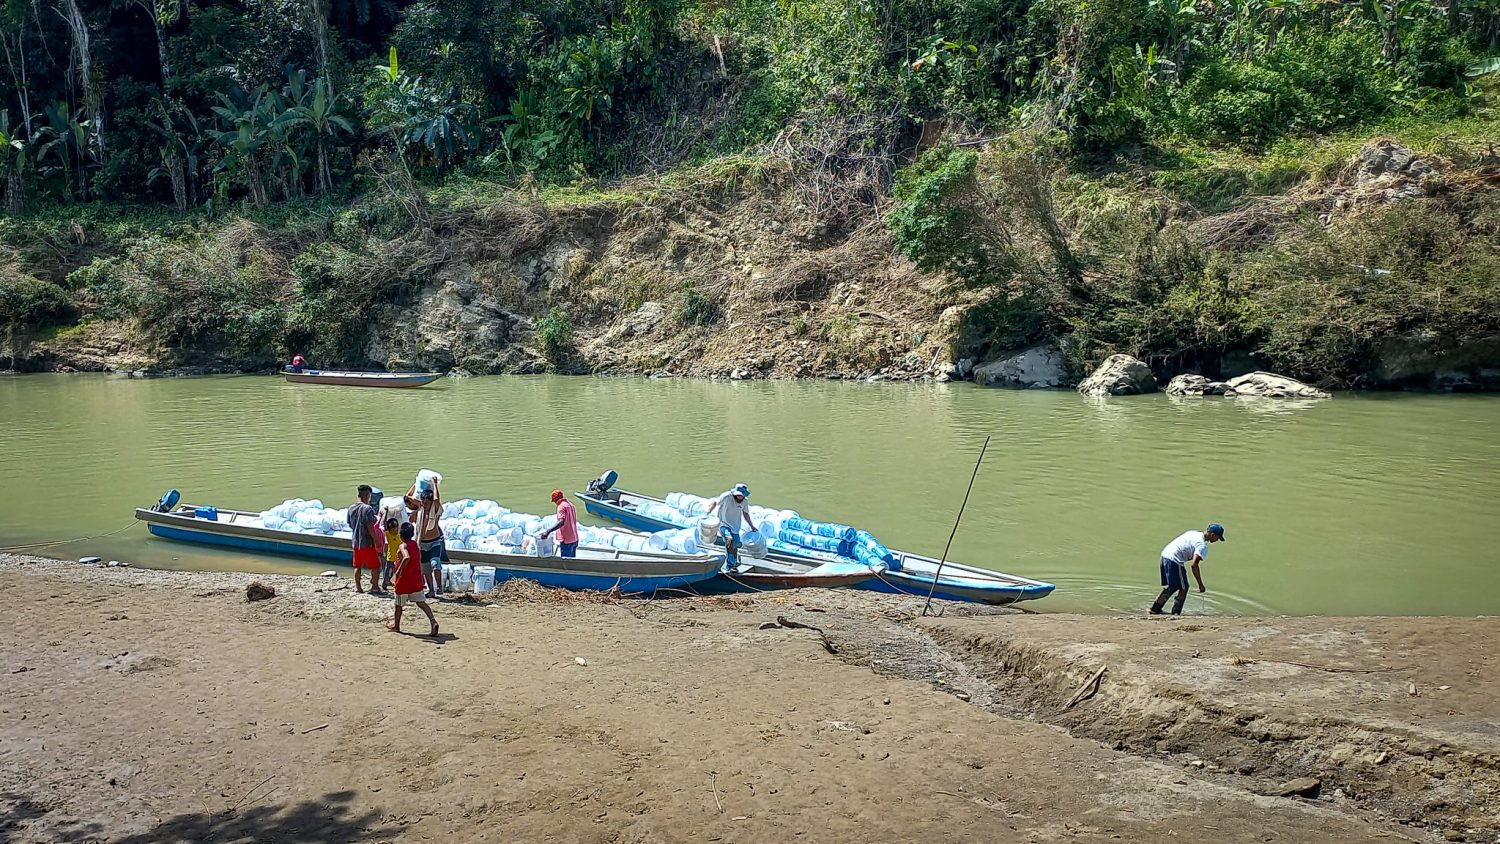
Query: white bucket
pixel 708 531
pixel 484 578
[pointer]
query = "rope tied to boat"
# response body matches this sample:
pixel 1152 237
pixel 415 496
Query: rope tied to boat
pixel 10 548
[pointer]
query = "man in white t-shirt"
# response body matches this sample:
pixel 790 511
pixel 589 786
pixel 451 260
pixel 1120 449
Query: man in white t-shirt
pixel 733 508
pixel 1186 550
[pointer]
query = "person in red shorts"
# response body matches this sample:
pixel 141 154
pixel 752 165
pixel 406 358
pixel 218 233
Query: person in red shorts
pixel 368 539
pixel 410 586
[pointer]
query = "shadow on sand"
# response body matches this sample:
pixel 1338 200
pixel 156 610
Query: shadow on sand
pixel 326 820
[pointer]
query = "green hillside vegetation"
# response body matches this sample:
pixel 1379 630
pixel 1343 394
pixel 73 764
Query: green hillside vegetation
pixel 1167 179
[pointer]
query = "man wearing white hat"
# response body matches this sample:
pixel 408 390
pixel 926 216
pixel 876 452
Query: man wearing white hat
pixel 733 508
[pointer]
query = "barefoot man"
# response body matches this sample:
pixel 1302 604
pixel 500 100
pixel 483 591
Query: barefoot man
pixel 1186 550
pixel 368 539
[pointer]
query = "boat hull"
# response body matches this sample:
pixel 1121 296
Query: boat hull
pixel 362 379
pixel 914 577
pixel 631 574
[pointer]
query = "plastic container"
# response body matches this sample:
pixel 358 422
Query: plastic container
pixel 708 530
pixel 753 543
pixel 458 577
pixel 209 513
pixel 484 578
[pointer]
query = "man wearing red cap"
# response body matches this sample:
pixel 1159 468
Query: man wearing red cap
pixel 566 527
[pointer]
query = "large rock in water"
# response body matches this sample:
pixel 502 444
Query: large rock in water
pixel 1270 385
pixel 1197 385
pixel 1119 375
pixel 1039 366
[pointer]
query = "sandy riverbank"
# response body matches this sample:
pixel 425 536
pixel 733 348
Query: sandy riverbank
pixel 146 706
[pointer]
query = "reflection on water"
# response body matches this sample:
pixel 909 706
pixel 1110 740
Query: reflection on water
pixel 1362 504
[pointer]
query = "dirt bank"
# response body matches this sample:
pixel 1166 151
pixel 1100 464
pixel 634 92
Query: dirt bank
pixel 159 706
pixel 1393 715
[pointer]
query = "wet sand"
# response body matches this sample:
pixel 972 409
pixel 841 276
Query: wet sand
pixel 148 706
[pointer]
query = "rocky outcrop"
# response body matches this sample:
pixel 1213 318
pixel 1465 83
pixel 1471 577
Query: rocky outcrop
pixel 1427 361
pixel 1039 366
pixel 1273 386
pixel 1197 385
pixel 1119 375
pixel 1391 169
pixel 455 325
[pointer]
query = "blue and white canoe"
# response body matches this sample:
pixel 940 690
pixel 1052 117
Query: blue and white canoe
pixel 630 572
pixel 912 574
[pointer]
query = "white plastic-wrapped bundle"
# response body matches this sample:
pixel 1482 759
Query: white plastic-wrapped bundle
pixel 456 545
pixel 427 479
pixel 271 520
pixel 684 541
pixel 532 526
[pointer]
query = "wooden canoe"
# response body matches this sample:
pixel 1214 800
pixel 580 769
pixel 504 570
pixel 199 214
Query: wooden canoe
pixel 361 379
pixel 596 568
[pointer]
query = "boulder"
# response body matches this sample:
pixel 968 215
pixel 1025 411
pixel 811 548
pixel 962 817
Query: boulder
pixel 1273 386
pixel 1197 385
pixel 1119 375
pixel 1039 366
pixel 1299 787
pixel 1394 170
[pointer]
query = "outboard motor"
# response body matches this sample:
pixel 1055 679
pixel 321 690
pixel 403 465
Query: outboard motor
pixel 602 487
pixel 168 501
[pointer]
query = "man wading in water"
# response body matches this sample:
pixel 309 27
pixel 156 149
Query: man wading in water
pixel 1187 549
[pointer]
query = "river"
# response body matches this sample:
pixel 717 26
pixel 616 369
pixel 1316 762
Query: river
pixel 1365 504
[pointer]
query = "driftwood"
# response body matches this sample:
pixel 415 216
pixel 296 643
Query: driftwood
pixel 1088 689
pixel 797 625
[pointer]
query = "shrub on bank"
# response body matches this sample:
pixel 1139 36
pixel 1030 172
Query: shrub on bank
pixel 27 301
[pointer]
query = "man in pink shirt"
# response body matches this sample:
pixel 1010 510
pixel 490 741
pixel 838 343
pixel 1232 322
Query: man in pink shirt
pixel 566 527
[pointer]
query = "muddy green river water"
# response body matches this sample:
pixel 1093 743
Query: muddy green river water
pixel 1362 504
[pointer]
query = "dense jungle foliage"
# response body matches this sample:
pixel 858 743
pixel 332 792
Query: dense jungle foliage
pixel 148 120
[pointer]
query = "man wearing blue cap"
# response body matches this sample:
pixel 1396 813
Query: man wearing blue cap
pixel 1187 549
pixel 732 509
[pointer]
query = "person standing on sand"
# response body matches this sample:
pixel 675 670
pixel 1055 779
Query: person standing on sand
pixel 427 510
pixel 392 552
pixel 410 585
pixel 1188 549
pixel 566 527
pixel 733 510
pixel 367 540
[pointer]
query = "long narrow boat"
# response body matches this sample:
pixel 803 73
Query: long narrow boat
pixel 595 568
pixel 912 574
pixel 361 379
pixel 780 571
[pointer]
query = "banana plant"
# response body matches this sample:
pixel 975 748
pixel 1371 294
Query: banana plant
pixel 182 141
pixel 319 114
pixel 69 141
pixel 243 142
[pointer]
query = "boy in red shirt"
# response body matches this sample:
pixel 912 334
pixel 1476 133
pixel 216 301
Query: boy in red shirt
pixel 408 582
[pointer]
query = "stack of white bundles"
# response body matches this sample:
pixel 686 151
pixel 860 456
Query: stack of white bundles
pixel 684 541
pixel 689 505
